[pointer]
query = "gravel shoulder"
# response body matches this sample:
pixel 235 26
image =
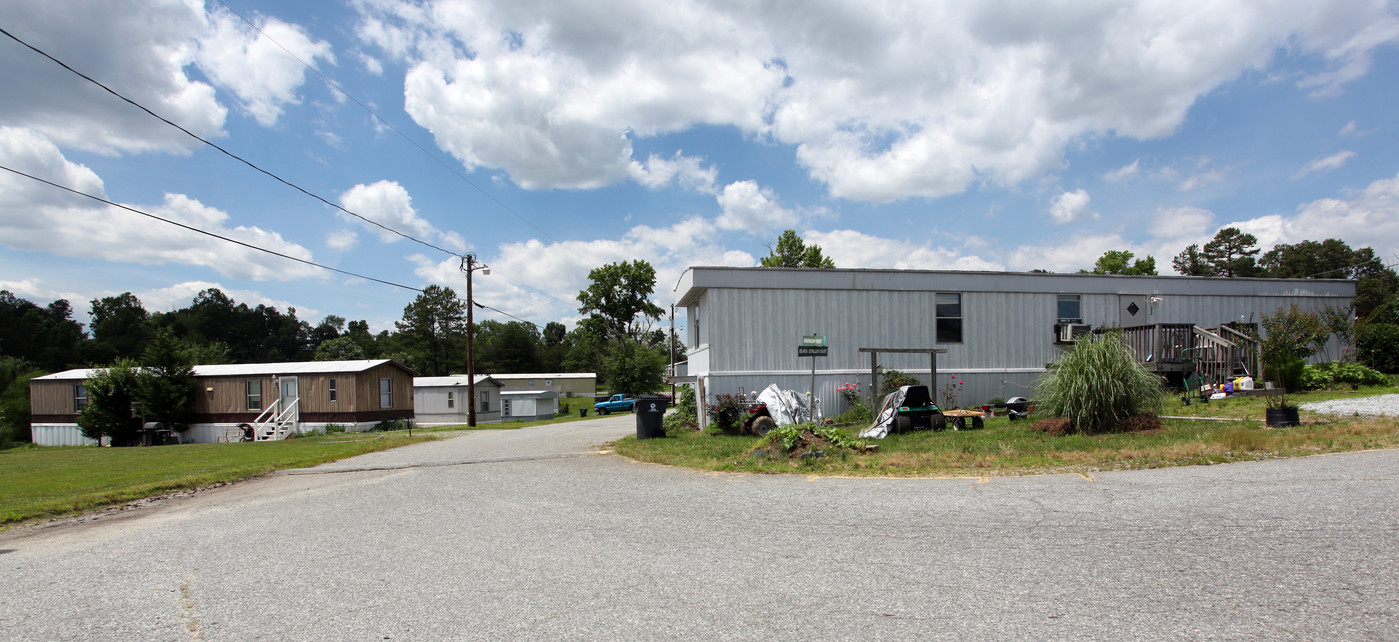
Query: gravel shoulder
pixel 1382 405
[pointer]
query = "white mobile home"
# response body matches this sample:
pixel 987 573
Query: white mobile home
pixel 995 331
pixel 442 401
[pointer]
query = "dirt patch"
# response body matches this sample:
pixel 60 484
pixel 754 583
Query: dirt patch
pixel 1060 426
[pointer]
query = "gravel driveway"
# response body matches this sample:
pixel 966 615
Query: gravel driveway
pixel 1377 405
pixel 533 534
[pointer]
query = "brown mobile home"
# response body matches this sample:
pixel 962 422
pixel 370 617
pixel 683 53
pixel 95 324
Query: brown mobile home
pixel 277 398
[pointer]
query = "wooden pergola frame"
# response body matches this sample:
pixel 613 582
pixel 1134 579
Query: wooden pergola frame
pixel 874 369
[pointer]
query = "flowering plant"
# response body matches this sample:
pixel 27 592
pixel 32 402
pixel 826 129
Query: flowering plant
pixel 950 392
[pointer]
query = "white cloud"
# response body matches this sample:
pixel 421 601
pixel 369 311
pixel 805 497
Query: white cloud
pixel 37 217
pixel 1072 206
pixel 560 269
pixel 259 67
pixel 753 209
pixel 882 102
pixel 658 172
pixel 388 204
pixel 1123 173
pixel 1326 164
pixel 371 64
pixel 851 249
pixel 140 48
pixel 1349 131
pixel 1078 253
pixel 341 240
pixel 1183 224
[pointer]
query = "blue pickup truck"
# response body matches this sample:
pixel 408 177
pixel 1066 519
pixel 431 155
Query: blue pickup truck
pixel 615 403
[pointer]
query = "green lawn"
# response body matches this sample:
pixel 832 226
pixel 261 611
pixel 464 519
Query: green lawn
pixel 1004 447
pixel 44 482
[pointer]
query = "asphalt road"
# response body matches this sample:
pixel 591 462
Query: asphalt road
pixel 535 534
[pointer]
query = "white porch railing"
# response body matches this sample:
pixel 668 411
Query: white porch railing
pixel 276 422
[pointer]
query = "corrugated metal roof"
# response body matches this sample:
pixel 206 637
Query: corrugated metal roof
pixel 516 392
pixel 249 369
pixel 698 279
pixel 450 380
pixel 546 375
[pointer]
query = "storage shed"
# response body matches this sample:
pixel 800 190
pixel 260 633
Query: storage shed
pixel 442 401
pixel 280 398
pixel 528 405
pixel 994 331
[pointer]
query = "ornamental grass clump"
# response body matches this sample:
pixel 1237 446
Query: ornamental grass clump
pixel 1097 386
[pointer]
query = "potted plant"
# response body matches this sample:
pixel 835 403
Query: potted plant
pixel 1286 371
pixel 1291 336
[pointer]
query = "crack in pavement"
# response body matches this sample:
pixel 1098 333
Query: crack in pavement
pixel 322 470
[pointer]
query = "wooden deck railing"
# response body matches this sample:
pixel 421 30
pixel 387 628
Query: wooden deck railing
pixel 1216 354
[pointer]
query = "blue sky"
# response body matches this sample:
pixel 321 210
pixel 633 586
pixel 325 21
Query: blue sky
pixel 559 136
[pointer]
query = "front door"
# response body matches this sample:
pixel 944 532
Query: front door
pixel 290 393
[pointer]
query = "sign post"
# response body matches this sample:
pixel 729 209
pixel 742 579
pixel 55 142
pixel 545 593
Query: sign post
pixel 813 345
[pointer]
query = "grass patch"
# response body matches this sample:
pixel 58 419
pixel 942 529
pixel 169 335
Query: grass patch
pixel 48 482
pixel 1014 448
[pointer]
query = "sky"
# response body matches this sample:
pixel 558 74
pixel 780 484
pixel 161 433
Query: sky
pixel 551 138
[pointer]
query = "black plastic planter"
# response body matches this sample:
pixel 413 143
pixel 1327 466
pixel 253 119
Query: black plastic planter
pixel 1282 417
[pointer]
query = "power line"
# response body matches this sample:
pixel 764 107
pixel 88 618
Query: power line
pixel 226 152
pixel 207 233
pixel 448 166
pixel 288 183
pixel 237 242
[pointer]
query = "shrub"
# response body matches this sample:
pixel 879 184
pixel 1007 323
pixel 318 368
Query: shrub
pixel 725 414
pixel 1377 346
pixel 331 429
pixel 895 379
pixel 1325 375
pixel 794 439
pixel 1097 385
pixel 686 415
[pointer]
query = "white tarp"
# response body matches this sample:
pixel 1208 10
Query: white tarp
pixel 884 419
pixel 787 407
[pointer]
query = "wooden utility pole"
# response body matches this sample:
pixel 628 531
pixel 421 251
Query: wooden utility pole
pixel 469 265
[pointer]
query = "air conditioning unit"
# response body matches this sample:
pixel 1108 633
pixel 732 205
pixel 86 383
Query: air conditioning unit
pixel 1071 332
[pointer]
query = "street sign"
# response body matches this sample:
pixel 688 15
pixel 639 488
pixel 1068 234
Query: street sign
pixel 812 346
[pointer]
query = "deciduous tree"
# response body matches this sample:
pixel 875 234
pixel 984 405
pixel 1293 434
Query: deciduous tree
pixel 619 299
pixel 793 252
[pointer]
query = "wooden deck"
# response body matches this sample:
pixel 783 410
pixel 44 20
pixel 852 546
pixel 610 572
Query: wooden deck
pixel 1216 354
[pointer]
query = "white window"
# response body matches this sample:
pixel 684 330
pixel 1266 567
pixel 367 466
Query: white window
pixel 485 401
pixel 386 393
pixel 451 399
pixel 332 390
pixel 253 388
pixel 79 397
pixel 505 407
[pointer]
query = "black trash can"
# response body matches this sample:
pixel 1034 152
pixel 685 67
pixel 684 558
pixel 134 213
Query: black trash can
pixel 649 413
pixel 582 412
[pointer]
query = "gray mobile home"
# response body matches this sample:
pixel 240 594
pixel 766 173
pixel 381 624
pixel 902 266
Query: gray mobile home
pixel 994 331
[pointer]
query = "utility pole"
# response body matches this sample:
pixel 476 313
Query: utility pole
pixel 469 265
pixel 672 353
